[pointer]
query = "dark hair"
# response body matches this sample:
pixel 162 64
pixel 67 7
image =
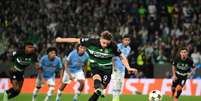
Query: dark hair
pixel 182 48
pixel 52 49
pixel 125 36
pixel 106 35
pixel 78 45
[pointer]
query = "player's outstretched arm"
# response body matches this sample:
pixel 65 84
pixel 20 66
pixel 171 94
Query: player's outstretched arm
pixel 125 62
pixel 67 40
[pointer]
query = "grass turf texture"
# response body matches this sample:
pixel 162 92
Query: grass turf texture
pixel 68 97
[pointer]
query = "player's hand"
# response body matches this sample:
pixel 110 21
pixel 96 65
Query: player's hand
pixel 174 77
pixel 132 70
pixel 58 39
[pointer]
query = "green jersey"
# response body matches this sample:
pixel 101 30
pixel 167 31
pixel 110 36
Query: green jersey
pixel 183 67
pixel 22 60
pixel 100 58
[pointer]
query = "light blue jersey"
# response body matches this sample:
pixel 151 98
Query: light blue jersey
pixel 50 67
pixel 76 62
pixel 126 51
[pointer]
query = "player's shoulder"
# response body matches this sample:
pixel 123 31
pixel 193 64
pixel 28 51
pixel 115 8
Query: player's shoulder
pixel 129 47
pixel 74 51
pixel 44 57
pixel 119 44
pixel 86 54
pixel 189 60
pixel 58 58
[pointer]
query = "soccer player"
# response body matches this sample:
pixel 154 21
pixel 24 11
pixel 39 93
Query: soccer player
pixel 182 68
pixel 49 64
pixel 101 51
pixel 74 63
pixel 21 59
pixel 119 68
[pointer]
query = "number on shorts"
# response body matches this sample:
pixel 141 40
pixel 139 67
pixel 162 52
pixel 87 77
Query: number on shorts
pixel 104 78
pixel 182 82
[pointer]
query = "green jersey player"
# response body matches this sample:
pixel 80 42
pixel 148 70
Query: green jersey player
pixel 101 51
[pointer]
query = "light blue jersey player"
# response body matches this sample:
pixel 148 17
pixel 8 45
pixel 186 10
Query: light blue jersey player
pixel 49 64
pixel 119 68
pixel 74 63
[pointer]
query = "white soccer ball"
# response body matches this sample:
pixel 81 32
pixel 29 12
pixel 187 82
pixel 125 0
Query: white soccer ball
pixel 155 95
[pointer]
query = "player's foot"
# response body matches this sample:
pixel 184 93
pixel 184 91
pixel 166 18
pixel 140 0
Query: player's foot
pixel 75 98
pixel 5 96
pixel 116 98
pixel 57 99
pixel 34 98
pixel 100 92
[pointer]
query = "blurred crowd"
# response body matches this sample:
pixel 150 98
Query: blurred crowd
pixel 157 27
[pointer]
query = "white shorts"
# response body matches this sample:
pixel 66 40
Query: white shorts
pixel 49 81
pixel 118 75
pixel 78 76
pixel 117 81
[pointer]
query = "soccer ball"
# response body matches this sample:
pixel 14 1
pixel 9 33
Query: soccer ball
pixel 155 95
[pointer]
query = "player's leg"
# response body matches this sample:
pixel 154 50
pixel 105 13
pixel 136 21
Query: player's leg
pixel 97 86
pixel 60 90
pixel 39 84
pixel 17 80
pixel 179 88
pixel 80 85
pixel 15 90
pixel 117 78
pixel 65 81
pixel 101 80
pixel 173 87
pixel 51 84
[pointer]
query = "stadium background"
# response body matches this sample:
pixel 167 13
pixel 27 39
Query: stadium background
pixel 157 28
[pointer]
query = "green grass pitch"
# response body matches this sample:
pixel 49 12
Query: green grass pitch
pixel 68 97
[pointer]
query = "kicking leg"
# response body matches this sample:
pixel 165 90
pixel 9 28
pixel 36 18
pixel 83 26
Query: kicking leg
pixel 98 87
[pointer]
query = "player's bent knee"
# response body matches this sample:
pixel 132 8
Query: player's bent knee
pixel 179 88
pixel 97 77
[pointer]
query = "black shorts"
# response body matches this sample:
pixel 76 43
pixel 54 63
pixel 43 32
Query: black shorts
pixel 16 75
pixel 181 80
pixel 105 76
